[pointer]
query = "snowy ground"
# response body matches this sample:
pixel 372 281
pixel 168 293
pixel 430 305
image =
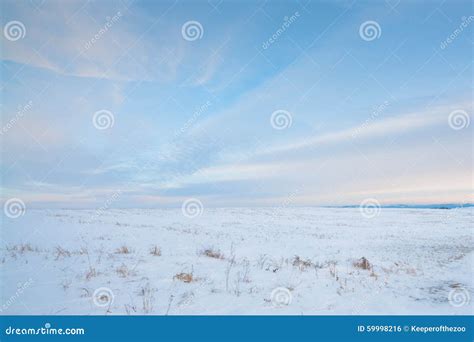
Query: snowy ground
pixel 230 261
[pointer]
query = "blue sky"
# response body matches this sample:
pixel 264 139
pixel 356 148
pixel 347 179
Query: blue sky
pixel 384 117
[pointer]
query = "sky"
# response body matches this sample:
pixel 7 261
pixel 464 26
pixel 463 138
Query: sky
pixel 146 104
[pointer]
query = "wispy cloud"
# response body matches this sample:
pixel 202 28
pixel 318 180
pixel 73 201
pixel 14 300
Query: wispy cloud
pixel 193 118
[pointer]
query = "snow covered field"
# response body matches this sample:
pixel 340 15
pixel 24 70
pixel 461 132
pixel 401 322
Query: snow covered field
pixel 238 261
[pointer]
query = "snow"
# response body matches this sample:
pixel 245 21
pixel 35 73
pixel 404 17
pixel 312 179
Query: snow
pixel 237 261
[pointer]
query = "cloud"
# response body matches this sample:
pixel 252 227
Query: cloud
pixel 355 162
pixel 164 146
pixel 373 128
pixel 103 45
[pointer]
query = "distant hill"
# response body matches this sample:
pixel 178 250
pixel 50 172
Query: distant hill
pixel 421 206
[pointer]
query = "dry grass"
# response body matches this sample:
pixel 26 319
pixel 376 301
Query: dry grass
pixel 362 263
pixel 85 293
pixel 185 277
pixel 61 253
pixel 148 298
pixel 123 250
pixel 155 251
pixel 123 271
pixel 22 248
pixel 333 270
pixel 130 308
pixel 302 264
pixel 209 252
pixel 91 273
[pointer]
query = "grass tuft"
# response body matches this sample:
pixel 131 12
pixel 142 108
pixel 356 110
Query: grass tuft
pixel 123 250
pixel 215 254
pixel 155 251
pixel 185 277
pixel 363 263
